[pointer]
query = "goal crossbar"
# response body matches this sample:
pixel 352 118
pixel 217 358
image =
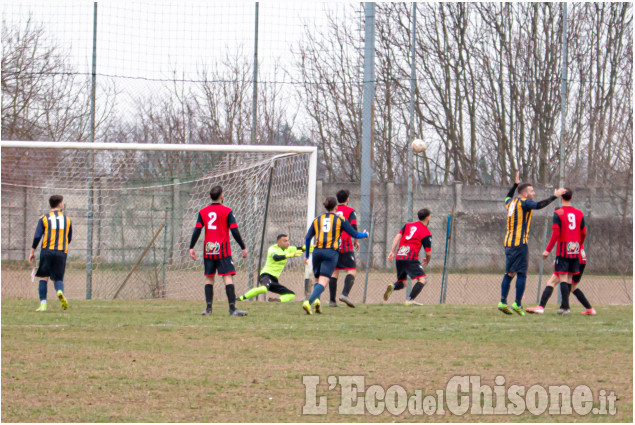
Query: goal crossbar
pixel 169 147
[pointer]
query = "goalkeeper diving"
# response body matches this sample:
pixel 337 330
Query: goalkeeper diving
pixel 277 256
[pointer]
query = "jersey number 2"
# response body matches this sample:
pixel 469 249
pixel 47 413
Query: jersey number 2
pixel 212 219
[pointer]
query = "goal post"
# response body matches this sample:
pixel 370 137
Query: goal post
pixel 122 198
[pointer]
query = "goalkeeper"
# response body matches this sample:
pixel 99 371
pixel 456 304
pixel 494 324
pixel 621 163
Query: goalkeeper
pixel 277 256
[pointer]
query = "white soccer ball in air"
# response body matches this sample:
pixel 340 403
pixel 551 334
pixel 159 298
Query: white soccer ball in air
pixel 418 145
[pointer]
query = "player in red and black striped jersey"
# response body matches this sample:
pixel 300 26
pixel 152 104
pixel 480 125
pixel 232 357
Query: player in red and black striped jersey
pixel 562 215
pixel 409 241
pixel 217 220
pixel 568 233
pixel 346 260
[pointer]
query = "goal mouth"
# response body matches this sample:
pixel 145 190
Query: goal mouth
pixel 135 205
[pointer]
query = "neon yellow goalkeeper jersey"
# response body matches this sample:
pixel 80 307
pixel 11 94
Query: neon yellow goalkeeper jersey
pixel 273 267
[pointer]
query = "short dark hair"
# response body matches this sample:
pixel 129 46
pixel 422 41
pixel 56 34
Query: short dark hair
pixel 342 195
pixel 567 195
pixel 330 203
pixel 523 187
pixel 215 193
pixel 55 200
pixel 281 235
pixel 423 214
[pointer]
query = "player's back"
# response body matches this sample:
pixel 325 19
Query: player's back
pixel 56 233
pixel 328 229
pixel 412 238
pixel 570 220
pixel 348 214
pixel 214 219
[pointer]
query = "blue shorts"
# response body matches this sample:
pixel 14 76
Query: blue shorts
pixel 324 261
pixel 516 258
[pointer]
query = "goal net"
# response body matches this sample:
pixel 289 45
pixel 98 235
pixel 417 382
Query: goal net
pixel 134 206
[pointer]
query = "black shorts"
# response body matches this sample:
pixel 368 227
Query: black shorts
pixel 566 266
pixel 577 277
pixel 224 266
pixel 516 258
pixel 324 261
pixel 272 284
pixel 409 268
pixel 346 261
pixel 52 264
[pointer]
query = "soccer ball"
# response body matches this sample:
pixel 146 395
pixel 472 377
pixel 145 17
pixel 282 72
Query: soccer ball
pixel 418 145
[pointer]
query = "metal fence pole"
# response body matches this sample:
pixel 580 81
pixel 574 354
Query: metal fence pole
pixel 413 85
pixel 164 292
pixel 445 257
pixel 89 213
pixel 370 250
pixel 254 106
pixel 367 121
pixel 413 82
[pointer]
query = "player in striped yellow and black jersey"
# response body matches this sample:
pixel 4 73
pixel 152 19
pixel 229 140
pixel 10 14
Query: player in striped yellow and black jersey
pixel 327 229
pixel 519 212
pixel 346 259
pixel 56 232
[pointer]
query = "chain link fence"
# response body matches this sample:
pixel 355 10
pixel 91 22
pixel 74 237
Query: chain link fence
pixel 466 267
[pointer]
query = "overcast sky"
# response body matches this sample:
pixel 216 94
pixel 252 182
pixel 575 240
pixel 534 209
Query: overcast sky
pixel 142 38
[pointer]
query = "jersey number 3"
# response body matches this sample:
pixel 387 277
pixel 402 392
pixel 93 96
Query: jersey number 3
pixel 412 233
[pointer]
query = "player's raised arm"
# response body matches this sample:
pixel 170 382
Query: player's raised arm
pixel 511 192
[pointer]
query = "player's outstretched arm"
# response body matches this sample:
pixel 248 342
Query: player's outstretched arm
pixel 346 226
pixel 532 205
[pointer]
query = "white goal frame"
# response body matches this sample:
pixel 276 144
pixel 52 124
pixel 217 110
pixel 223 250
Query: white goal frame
pixel 269 149
pixel 312 150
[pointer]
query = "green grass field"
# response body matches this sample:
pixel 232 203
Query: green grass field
pixel 160 361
